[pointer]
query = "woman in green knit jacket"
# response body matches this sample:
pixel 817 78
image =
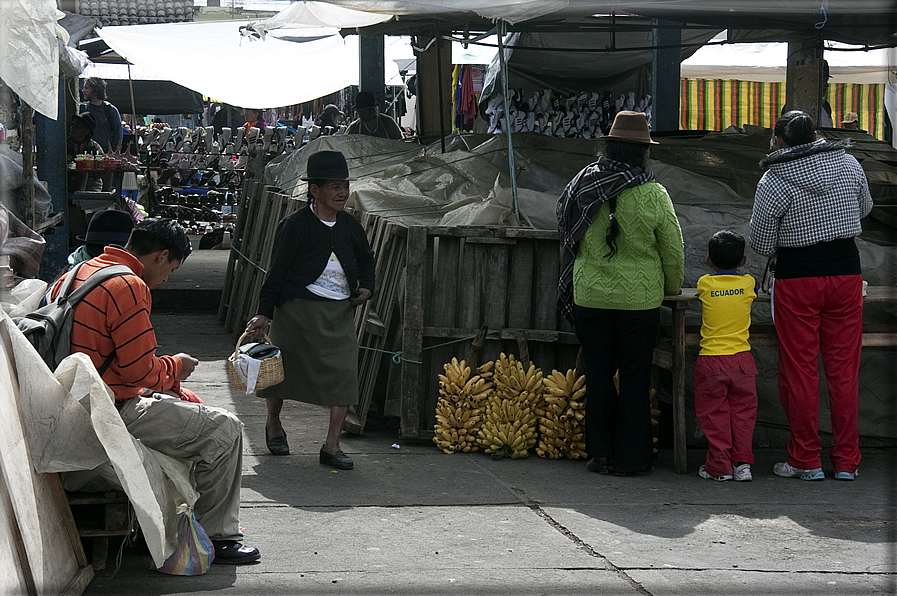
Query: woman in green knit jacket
pixel 621 253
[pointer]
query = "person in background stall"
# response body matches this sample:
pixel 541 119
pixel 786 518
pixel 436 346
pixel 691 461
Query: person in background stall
pixel 851 121
pixel 254 118
pixel 621 252
pixel 321 269
pixel 108 129
pixel 329 119
pixel 106 228
pixel 80 142
pixel 370 121
pixel 807 211
pixel 725 373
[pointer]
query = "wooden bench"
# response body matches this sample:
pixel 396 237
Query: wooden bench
pixel 761 335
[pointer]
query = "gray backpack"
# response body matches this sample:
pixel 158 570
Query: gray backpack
pixel 49 328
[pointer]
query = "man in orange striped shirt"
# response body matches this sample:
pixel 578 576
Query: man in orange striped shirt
pixel 112 326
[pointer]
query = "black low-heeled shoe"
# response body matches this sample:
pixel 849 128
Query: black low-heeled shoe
pixel 277 445
pixel 338 460
pixel 231 552
pixel 600 464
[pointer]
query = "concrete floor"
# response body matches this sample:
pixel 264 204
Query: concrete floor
pixel 411 520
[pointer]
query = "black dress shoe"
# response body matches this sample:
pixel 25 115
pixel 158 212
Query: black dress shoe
pixel 338 460
pixel 231 552
pixel 277 445
pixel 599 464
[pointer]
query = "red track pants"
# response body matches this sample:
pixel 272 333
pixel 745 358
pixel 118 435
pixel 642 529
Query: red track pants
pixel 814 314
pixel 726 407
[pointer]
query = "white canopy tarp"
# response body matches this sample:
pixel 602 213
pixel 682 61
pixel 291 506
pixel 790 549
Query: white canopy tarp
pixel 767 62
pixel 29 54
pixel 318 14
pixel 215 60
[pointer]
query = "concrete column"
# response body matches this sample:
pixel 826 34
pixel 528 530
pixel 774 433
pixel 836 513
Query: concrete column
pixel 371 69
pixel 50 138
pixel 804 76
pixel 434 89
pixel 665 76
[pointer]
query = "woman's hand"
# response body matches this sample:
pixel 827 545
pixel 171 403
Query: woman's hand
pixel 363 295
pixel 257 326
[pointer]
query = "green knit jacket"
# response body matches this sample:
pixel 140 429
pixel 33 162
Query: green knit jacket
pixel 649 259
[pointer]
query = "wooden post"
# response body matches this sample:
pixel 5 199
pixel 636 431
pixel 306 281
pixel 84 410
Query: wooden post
pixel 665 76
pixel 434 77
pixel 679 455
pixel 413 332
pixel 803 76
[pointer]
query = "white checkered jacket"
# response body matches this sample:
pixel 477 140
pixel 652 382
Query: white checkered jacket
pixel 811 193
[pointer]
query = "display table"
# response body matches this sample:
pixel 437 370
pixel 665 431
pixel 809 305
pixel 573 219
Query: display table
pixel 761 335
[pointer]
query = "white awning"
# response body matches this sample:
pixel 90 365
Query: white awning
pixel 215 60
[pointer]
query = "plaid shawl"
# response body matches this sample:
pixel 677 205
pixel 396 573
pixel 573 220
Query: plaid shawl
pixel 577 207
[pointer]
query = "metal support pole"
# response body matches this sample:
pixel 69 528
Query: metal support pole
pixel 502 29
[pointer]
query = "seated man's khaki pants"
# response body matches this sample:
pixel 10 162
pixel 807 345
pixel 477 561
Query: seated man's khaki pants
pixel 211 438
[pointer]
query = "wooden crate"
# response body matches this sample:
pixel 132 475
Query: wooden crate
pixel 101 516
pixel 460 279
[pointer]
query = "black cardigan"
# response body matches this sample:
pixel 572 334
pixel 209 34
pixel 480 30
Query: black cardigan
pixel 302 245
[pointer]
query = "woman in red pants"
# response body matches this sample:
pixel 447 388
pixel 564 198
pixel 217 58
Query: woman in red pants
pixel 807 212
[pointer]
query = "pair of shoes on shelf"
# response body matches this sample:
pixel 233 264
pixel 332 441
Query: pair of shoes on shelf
pixel 338 460
pixel 742 473
pixel 277 445
pixel 847 475
pixel 703 473
pixel 785 470
pixel 231 552
pixel 600 464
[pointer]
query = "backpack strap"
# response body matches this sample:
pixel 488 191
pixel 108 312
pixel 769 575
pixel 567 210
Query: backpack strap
pixel 92 282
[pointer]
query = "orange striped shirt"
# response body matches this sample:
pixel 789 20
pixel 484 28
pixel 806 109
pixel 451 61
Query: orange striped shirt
pixel 115 316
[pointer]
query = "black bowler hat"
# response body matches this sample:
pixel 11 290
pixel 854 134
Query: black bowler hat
pixel 87 120
pixel 108 227
pixel 327 165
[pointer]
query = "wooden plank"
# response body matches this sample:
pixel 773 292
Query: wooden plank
pixel 532 335
pixel 545 269
pixel 476 240
pixel 461 231
pixel 442 289
pixel 520 285
pixel 530 234
pixel 470 281
pixel 412 338
pixel 494 262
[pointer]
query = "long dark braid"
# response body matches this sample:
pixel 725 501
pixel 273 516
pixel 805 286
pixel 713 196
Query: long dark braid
pixel 614 230
pixel 633 155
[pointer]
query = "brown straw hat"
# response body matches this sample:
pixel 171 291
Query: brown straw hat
pixel 631 127
pixel 850 117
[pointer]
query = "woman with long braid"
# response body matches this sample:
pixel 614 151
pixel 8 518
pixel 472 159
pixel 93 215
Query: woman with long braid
pixel 621 252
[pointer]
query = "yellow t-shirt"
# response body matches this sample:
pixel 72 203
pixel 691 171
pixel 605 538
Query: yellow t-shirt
pixel 726 301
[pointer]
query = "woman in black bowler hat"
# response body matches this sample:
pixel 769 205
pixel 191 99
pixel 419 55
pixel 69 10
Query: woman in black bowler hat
pixel 321 268
pixel 105 228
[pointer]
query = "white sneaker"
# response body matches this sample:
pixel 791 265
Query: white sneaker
pixel 785 470
pixel 742 473
pixel 706 475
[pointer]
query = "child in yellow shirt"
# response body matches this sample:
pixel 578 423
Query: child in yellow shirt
pixel 725 372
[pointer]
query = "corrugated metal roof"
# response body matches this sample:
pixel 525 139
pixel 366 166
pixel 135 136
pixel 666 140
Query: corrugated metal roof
pixel 137 12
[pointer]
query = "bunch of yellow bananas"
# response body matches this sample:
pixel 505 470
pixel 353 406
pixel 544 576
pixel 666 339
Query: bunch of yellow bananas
pixel 510 426
pixel 459 408
pixel 561 416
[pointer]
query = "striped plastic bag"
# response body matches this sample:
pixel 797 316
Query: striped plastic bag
pixel 195 552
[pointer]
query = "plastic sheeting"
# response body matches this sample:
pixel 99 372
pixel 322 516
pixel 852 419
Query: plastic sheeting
pixel 215 60
pixel 512 11
pixel 71 424
pixel 318 14
pixel 30 55
pixel 711 181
